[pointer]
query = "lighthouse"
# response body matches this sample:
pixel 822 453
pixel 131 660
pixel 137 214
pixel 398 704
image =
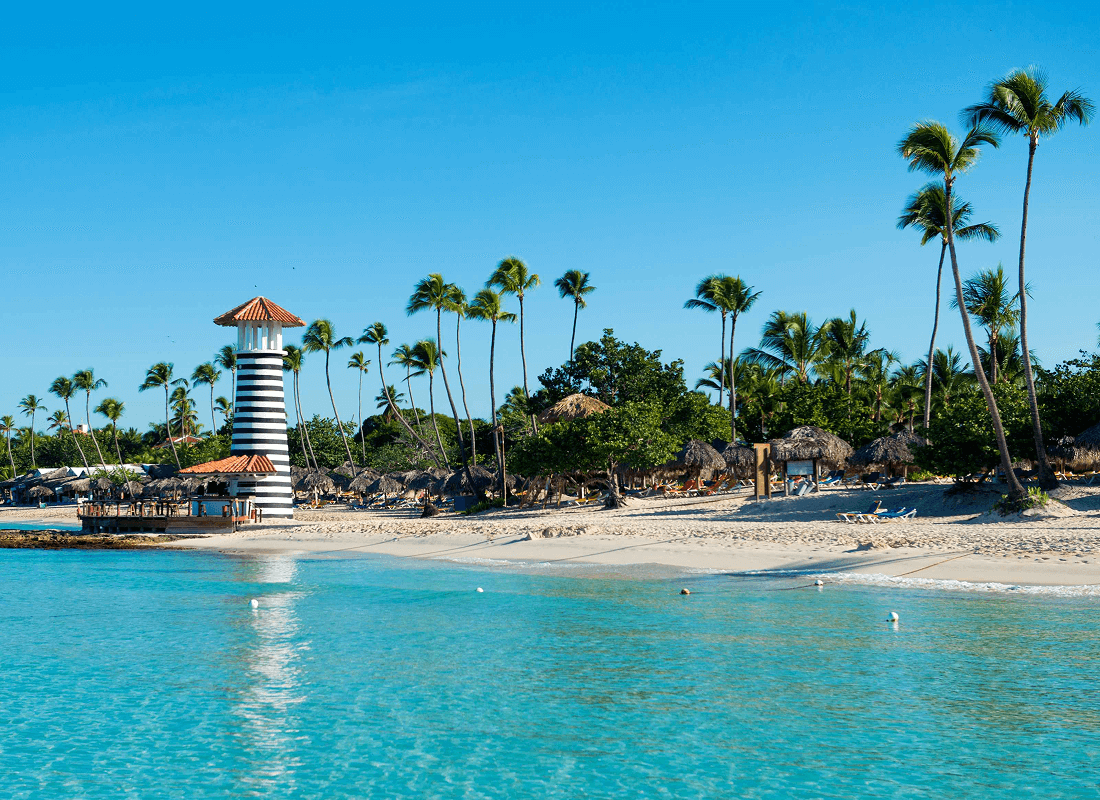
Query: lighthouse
pixel 259 408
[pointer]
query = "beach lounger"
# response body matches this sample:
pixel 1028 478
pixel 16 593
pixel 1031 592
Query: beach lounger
pixel 852 517
pixel 901 513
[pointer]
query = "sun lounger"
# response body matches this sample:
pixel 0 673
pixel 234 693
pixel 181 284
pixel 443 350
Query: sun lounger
pixel 901 513
pixel 852 517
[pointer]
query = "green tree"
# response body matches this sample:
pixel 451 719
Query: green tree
pixel 427 356
pixel 513 277
pixel 963 444
pixel 403 356
pixel 58 421
pixel 949 376
pixel 7 427
pixel 458 306
pixel 360 363
pixel 931 148
pixel 31 405
pixel 320 337
pixel 489 305
pixel 226 358
pixel 65 389
pixel 225 408
pixel 86 381
pixel 160 376
pixel 207 375
pixel 293 361
pixel 113 408
pixel 789 343
pixel 987 299
pixel 845 340
pixel 574 285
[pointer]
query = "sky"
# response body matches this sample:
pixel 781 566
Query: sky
pixel 161 165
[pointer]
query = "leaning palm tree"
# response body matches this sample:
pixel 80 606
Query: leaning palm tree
pixel 360 363
pixel 65 389
pixel 926 211
pixel 293 360
pixel 488 305
pixel 160 376
pixel 320 337
pixel 989 300
pixel 31 405
pixel 1018 104
pixel 377 335
pixel 433 293
pixel 513 277
pixel 574 285
pixel 113 408
pixel 460 308
pixel 7 427
pixel 207 374
pixel 86 381
pixel 226 358
pixel 428 357
pixel 931 148
pixel 403 356
pixel 789 343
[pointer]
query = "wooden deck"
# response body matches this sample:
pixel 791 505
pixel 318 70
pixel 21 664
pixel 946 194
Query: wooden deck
pixel 152 517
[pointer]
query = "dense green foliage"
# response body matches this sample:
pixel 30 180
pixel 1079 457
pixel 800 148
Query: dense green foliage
pixel 963 434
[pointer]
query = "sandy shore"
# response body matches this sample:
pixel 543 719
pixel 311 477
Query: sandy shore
pixel 951 539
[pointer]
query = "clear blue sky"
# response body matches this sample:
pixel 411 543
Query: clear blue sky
pixel 162 165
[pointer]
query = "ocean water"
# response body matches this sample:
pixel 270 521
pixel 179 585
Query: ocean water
pixel 148 675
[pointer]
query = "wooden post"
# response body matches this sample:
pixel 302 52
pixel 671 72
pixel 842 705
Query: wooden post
pixel 786 481
pixel 763 468
pixel 817 477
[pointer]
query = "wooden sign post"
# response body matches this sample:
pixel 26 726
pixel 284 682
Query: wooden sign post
pixel 763 471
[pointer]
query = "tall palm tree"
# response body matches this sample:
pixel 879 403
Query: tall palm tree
pixel 1010 362
pixel 86 381
pixel 433 293
pixel 113 408
pixel 160 376
pixel 320 337
pixel 488 305
pixel 845 342
pixel 293 360
pixel 403 356
pixel 875 374
pixel 377 335
pixel 58 421
pixel 65 389
pixel 949 374
pixel 988 299
pixel 906 392
pixel 574 285
pixel 931 148
pixel 926 211
pixel 428 357
pixel 7 427
pixel 31 405
pixel 361 364
pixel 225 408
pixel 460 308
pixel 1018 104
pixel 226 358
pixel 789 343
pixel 207 374
pixel 513 277
pixel 185 418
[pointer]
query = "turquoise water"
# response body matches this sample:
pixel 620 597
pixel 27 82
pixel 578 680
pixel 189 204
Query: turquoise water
pixel 148 675
pixel 38 526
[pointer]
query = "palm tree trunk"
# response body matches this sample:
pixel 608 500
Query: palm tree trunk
pixel 447 387
pixel 1047 478
pixel 435 424
pixel 733 385
pixel 462 386
pixel 362 438
pixel 91 431
pixel 932 344
pixel 298 418
pixel 1015 490
pixel 34 461
pixel 412 400
pixel 11 459
pixel 399 415
pixel 213 420
pixel 72 433
pixel 339 425
pixel 118 452
pixel 167 428
pixel 523 360
pixel 993 354
pixel 722 362
pixel 573 338
pixel 493 403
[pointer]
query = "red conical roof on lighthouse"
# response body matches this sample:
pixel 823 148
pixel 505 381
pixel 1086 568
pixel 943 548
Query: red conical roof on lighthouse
pixel 259 309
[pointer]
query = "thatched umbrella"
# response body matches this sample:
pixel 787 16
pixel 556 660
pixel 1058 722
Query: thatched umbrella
pixel 807 442
pixel 575 406
pixel 420 479
pixel 439 472
pixel 103 485
pixel 895 450
pixel 41 493
pixel 77 485
pixel 741 458
pixel 1088 439
pixel 317 482
pixel 363 480
pixel 698 457
pixel 459 482
pixel 347 469
pixel 385 485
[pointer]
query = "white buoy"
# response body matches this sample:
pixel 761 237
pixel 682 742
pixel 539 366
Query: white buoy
pixel 892 617
pixel 480 589
pixel 254 603
pixel 819 582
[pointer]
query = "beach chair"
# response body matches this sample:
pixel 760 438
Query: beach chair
pixel 901 513
pixel 836 476
pixel 852 517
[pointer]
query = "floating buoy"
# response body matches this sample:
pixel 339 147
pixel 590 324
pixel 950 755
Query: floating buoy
pixel 254 603
pixel 685 591
pixel 819 582
pixel 892 616
pixel 480 589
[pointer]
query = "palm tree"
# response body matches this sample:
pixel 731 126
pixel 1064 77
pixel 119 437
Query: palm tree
pixel 428 357
pixel 377 335
pixel 293 360
pixel 926 211
pixel 435 294
pixel 404 356
pixel 383 400
pixel 789 343
pixel 320 337
pixel 512 277
pixel 488 305
pixel 113 408
pixel 7 427
pixel 906 391
pixel 715 375
pixel 65 389
pixel 930 147
pixel 361 363
pixel 58 421
pixel 460 308
pixel 86 381
pixel 1010 362
pixel 225 408
pixel 31 405
pixel 226 358
pixel 845 342
pixel 1018 104
pixel 208 374
pixel 574 285
pixel 875 374
pixel 987 299
pixel 160 376
pixel 185 409
pixel 949 374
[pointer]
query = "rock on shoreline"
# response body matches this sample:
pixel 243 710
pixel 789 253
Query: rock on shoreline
pixel 74 540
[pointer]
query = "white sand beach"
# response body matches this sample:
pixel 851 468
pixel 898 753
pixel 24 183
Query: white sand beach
pixel 950 539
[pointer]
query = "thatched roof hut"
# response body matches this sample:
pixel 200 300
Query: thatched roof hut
pixel 1088 439
pixel 420 479
pixel 384 484
pixel 361 481
pixel 315 481
pixel 77 485
pixel 740 458
pixel 895 450
pixel 696 457
pixel 41 493
pixel 347 469
pixel 459 483
pixel 808 442
pixel 575 406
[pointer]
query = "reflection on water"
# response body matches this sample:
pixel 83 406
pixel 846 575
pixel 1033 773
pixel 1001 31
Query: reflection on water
pixel 272 686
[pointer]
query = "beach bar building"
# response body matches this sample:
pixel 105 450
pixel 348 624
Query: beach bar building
pixel 259 408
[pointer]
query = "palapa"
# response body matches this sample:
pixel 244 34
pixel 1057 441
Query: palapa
pixel 361 481
pixel 740 457
pixel 42 493
pixel 697 457
pixel 575 406
pixel 384 484
pixel 459 483
pixel 1088 439
pixel 420 479
pixel 808 442
pixel 315 481
pixel 895 450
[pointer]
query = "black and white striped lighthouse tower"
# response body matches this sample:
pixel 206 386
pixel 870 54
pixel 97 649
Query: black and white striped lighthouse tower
pixel 259 409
